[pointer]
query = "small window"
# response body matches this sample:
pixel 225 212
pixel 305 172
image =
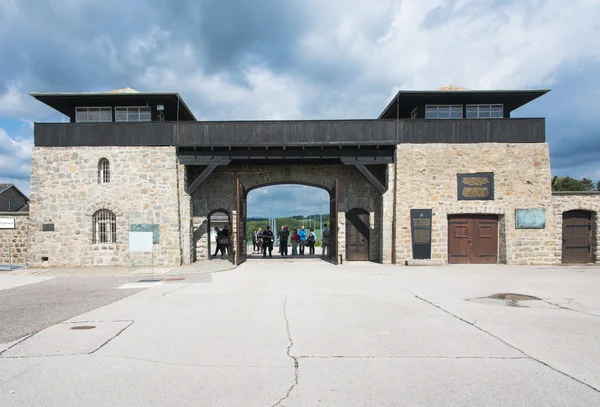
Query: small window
pixel 443 112
pixel 103 171
pixel 93 115
pixel 104 227
pixel 8 205
pixel 485 112
pixel 133 114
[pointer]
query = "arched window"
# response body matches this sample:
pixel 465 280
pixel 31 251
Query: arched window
pixel 103 171
pixel 105 227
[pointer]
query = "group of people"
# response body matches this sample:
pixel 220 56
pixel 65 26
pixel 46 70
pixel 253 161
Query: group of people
pixel 262 241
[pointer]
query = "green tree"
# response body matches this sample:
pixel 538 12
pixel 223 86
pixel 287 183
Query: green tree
pixel 572 184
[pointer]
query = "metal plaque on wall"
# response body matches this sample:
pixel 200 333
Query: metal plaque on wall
pixel 534 218
pixel 420 224
pixel 146 227
pixel 478 186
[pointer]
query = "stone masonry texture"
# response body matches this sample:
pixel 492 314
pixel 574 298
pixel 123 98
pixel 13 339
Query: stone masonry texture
pixel 65 191
pixel 15 239
pixel 148 185
pixel 426 177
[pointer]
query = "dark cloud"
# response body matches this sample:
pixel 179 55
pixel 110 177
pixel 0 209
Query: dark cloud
pixel 572 130
pixel 229 34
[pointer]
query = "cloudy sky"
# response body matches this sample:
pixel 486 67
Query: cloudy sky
pixel 304 59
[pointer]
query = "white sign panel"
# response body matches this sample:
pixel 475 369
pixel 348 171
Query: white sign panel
pixel 140 241
pixel 7 223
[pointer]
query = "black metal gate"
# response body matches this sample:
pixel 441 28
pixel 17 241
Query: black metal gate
pixel 241 249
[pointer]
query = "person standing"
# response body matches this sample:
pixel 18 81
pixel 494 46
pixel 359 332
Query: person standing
pixel 254 241
pixel 267 238
pixel 326 240
pixel 218 246
pixel 295 240
pixel 259 240
pixel 311 241
pixel 283 240
pixel 302 236
pixel 224 241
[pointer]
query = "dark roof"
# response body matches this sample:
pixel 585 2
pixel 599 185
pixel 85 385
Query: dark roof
pixel 66 102
pixel 6 187
pixel 408 100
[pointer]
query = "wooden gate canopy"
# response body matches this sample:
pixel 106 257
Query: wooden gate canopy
pixel 290 133
pixel 349 155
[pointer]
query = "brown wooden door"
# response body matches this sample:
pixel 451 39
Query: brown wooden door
pixel 357 235
pixel 577 237
pixel 472 239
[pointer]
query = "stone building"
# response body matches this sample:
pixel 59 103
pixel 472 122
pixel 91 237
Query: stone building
pixel 444 175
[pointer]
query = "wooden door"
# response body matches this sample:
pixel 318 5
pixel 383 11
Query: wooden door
pixel 472 239
pixel 333 214
pixel 357 235
pixel 577 237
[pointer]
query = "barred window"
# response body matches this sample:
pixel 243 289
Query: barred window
pixel 105 227
pixel 103 171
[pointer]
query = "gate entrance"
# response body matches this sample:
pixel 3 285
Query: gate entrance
pixel 472 239
pixel 357 235
pixel 577 237
pixel 289 205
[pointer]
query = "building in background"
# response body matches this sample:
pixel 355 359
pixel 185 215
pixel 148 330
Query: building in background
pixel 12 200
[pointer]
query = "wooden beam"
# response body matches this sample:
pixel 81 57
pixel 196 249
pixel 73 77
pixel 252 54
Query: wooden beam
pixel 203 160
pixel 201 178
pixel 371 178
pixel 366 160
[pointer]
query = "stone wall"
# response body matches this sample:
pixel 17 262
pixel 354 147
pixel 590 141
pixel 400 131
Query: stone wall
pixel 426 177
pixel 143 188
pixel 15 238
pixel 218 192
pixel 570 201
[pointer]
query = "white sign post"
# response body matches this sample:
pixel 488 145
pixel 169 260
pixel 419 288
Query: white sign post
pixel 7 223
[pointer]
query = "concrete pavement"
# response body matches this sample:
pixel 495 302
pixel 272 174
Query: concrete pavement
pixel 305 332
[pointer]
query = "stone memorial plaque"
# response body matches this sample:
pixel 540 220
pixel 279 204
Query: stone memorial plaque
pixel 420 224
pixel 478 186
pixel 146 227
pixel 48 227
pixel 534 218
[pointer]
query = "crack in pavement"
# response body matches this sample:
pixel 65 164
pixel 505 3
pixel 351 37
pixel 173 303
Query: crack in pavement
pixel 570 309
pixel 111 338
pixel 18 342
pixel 64 354
pixel 294 358
pixel 412 357
pixel 162 362
pixel 178 288
pixel 506 343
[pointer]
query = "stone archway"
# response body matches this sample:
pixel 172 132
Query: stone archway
pixel 219 190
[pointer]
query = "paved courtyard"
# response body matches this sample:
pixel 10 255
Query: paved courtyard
pixel 305 333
